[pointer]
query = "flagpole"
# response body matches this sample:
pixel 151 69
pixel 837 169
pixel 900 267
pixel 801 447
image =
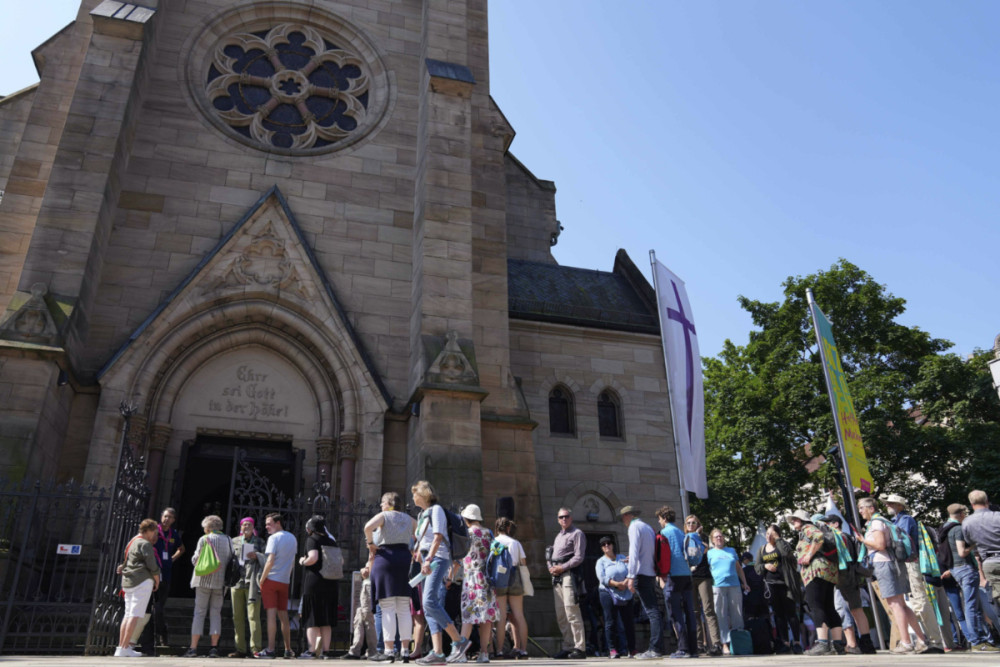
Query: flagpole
pixel 673 422
pixel 843 451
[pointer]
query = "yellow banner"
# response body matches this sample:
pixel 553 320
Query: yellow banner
pixel 843 407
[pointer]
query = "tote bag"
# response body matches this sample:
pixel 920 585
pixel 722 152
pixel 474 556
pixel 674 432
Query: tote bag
pixel 208 560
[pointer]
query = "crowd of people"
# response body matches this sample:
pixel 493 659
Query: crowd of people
pixel 937 584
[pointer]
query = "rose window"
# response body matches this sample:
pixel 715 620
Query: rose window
pixel 288 87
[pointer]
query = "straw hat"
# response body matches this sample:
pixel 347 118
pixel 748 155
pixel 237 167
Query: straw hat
pixel 801 515
pixel 895 498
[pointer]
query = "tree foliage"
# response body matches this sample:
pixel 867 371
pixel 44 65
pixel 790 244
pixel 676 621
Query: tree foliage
pixel 767 412
pixel 961 434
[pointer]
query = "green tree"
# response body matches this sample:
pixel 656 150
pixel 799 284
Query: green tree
pixel 959 415
pixel 766 408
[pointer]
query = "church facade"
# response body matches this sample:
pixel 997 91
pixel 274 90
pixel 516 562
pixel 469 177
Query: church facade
pixel 296 229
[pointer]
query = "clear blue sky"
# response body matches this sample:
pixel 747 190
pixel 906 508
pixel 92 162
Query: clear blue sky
pixel 748 141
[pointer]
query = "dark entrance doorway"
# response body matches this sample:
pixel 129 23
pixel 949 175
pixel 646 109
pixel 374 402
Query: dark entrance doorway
pixel 205 480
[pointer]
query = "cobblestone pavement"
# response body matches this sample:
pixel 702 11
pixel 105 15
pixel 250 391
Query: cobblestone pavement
pixel 947 660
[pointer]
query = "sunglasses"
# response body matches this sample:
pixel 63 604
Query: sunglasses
pixel 564 516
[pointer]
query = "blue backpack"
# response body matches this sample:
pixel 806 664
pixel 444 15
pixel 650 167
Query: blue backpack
pixel 694 549
pixel 899 548
pixel 498 565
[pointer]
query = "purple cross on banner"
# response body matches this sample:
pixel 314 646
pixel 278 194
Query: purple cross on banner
pixel 680 351
pixel 688 327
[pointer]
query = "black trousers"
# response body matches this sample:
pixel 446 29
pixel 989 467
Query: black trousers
pixel 786 613
pixel 160 598
pixel 819 597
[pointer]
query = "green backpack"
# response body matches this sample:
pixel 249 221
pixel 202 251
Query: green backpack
pixel 208 560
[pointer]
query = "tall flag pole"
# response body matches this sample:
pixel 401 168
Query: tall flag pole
pixel 684 380
pixel 852 450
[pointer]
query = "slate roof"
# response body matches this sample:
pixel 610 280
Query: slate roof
pixel 621 300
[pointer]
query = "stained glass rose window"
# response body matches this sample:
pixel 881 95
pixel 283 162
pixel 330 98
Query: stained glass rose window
pixel 288 87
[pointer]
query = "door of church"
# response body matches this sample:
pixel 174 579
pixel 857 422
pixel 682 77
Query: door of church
pixel 206 477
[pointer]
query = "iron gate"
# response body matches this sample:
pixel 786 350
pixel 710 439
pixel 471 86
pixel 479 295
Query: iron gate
pixel 59 547
pixel 253 494
pixel 50 544
pixel 129 500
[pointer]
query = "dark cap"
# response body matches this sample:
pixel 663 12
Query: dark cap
pixel 606 540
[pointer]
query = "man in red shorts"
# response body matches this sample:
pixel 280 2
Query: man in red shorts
pixel 274 580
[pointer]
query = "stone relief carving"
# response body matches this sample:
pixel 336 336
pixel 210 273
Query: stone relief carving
pixel 32 322
pixel 325 450
pixel 347 446
pixel 452 366
pixel 159 436
pixel 265 262
pixel 288 87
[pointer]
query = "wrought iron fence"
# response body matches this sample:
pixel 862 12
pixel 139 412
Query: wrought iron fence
pixel 51 536
pixel 253 494
pixel 129 499
pixel 61 543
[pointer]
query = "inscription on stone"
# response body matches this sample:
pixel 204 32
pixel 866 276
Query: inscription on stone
pixel 248 395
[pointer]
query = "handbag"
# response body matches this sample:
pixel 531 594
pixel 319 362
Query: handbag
pixel 208 560
pixel 529 588
pixel 234 573
pixel 414 563
pixel 332 559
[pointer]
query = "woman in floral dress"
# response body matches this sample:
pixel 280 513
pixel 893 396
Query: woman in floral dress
pixel 479 605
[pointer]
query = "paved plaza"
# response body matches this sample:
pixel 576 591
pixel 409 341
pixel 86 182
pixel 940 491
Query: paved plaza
pixel 946 660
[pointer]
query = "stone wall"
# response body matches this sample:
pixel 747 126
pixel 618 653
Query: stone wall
pixel 531 213
pixel 585 471
pixel 60 59
pixel 14 110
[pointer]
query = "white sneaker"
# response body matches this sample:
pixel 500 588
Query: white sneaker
pixel 118 652
pixel 131 653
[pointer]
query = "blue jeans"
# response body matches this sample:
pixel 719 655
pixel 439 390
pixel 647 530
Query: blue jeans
pixel 679 596
pixel 840 604
pixel 645 587
pixel 986 604
pixel 619 624
pixel 433 600
pixel 971 622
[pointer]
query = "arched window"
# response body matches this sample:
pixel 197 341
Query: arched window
pixel 561 412
pixel 609 415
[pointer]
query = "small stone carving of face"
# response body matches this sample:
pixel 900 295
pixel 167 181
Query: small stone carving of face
pixel 452 367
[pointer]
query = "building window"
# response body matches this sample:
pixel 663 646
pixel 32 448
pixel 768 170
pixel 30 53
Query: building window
pixel 609 421
pixel 561 412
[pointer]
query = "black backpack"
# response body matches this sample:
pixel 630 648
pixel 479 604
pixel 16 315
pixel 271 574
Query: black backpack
pixel 942 549
pixel 458 535
pixel 829 548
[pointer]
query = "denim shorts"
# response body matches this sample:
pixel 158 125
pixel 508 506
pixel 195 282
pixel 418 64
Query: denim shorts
pixel 892 579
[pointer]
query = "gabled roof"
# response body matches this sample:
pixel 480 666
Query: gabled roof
pixel 305 248
pixel 583 297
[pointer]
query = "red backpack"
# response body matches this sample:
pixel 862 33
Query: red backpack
pixel 661 556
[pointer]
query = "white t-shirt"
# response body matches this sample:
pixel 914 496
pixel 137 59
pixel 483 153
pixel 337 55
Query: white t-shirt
pixel 438 525
pixel 515 548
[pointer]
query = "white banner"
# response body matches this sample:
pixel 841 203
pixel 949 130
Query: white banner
pixel 687 395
